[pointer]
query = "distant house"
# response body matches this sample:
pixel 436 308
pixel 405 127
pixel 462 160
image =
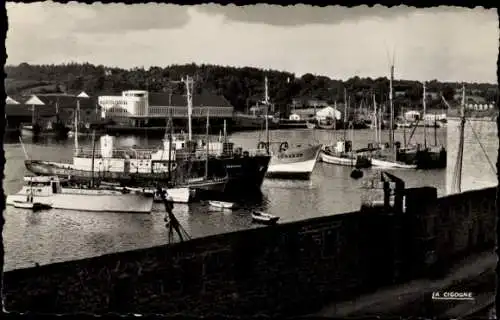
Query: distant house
pixel 399 93
pixel 322 113
pixel 328 113
pixel 412 115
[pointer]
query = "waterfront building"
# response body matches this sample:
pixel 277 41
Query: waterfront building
pixel 139 107
pixel 44 107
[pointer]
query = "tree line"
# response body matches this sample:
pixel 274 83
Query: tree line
pixel 242 87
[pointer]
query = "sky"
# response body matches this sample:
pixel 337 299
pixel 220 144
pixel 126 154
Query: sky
pixel 443 43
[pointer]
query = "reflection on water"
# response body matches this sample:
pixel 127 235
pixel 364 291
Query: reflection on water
pixel 58 235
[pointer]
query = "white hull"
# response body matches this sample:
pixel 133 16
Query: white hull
pixel 221 204
pixel 179 195
pixel 299 168
pixel 261 217
pixel 337 160
pixel 31 205
pixel 88 200
pixel 296 167
pixel 386 164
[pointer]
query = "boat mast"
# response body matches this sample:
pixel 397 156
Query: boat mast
pixel 188 81
pixel 266 100
pixel 93 157
pixel 375 118
pixel 77 113
pixel 225 132
pixel 457 182
pixel 206 161
pixel 345 113
pixel 435 130
pixel 404 127
pixel 391 105
pixel 169 136
pixel 425 109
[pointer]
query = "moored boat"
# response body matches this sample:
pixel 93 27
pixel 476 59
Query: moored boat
pixel 178 195
pixel 222 204
pixel 344 156
pixel 35 206
pixel 387 163
pixel 264 218
pixel 80 198
pixel 293 163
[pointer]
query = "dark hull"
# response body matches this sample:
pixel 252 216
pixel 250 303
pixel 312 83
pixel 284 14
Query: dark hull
pixel 58 131
pixel 292 124
pixel 425 159
pixel 289 175
pixel 248 122
pixel 430 159
pixel 245 174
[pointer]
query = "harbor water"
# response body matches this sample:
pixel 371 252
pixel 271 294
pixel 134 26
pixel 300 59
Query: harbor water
pixel 56 235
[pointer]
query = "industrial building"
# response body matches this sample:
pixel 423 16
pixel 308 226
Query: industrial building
pixel 137 107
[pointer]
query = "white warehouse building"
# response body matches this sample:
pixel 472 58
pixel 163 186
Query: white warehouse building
pixel 130 103
pixel 139 106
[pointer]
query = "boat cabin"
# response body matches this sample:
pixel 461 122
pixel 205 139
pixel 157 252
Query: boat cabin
pixel 41 186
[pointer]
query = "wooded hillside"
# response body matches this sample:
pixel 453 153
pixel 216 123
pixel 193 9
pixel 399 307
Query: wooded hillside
pixel 241 86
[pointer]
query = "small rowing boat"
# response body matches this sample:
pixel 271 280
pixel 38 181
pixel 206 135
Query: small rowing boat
pixel 222 204
pixel 35 206
pixel 264 218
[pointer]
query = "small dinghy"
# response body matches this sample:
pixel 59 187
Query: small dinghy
pixel 222 204
pixel 265 218
pixel 35 206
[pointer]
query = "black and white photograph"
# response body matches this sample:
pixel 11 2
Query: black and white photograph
pixel 255 160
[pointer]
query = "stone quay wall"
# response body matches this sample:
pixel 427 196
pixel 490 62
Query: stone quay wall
pixel 288 269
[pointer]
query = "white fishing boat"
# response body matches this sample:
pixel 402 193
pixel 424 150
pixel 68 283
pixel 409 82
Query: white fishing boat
pixel 293 163
pixel 343 156
pixel 341 160
pixel 222 204
pixel 264 218
pixel 50 192
pixel 342 153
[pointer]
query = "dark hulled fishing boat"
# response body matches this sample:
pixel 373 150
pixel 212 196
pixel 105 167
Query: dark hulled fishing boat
pixel 424 157
pixel 243 171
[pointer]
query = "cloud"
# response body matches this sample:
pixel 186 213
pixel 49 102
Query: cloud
pixel 95 18
pixel 305 14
